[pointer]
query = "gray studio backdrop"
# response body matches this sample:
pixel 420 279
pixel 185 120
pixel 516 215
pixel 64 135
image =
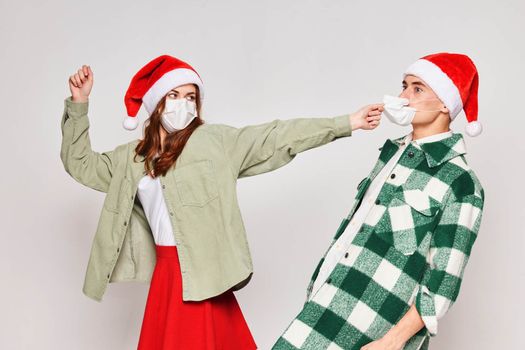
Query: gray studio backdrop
pixel 259 61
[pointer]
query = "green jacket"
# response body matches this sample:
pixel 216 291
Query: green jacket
pixel 412 249
pixel 200 194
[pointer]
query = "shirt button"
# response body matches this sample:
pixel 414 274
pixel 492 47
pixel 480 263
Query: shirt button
pixel 163 186
pixel 108 275
pixel 411 154
pixel 393 176
pixel 171 213
pixel 378 201
pixel 125 223
pixel 346 255
pixel 118 250
pixel 329 280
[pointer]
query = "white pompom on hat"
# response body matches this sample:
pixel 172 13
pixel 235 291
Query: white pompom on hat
pixel 454 78
pixel 153 81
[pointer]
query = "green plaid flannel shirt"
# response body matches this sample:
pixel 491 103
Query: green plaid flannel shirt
pixel 412 249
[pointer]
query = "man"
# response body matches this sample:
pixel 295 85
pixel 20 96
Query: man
pixel 396 262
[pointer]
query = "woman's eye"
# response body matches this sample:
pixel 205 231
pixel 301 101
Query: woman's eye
pixel 190 98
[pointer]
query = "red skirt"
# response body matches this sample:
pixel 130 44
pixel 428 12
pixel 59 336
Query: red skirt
pixel 171 323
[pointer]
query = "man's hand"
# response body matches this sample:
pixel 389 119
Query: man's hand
pixel 397 336
pixel 366 118
pixel 384 343
pixel 80 84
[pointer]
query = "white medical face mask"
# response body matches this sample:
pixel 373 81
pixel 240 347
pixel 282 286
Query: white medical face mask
pixel 397 111
pixel 178 114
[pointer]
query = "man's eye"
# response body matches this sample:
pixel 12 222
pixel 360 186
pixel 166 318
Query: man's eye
pixel 418 89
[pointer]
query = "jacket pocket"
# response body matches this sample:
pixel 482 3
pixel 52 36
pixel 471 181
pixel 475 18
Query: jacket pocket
pixel 111 201
pixel 119 190
pixel 196 183
pixel 412 215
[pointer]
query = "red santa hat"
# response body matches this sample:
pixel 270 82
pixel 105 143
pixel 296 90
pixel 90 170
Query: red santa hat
pixel 454 79
pixel 153 81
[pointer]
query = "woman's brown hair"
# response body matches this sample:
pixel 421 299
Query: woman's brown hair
pixel 173 143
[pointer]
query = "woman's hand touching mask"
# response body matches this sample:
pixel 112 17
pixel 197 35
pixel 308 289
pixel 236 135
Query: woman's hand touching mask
pixel 367 118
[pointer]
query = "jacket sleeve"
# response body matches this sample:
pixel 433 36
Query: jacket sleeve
pixel 449 252
pixel 257 149
pixel 89 168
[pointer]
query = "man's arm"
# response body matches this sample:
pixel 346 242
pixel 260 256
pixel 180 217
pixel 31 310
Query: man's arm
pixel 450 249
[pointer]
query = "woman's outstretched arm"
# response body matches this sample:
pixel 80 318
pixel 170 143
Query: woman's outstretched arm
pixel 257 149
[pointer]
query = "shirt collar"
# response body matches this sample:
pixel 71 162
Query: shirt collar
pixel 437 148
pixel 433 138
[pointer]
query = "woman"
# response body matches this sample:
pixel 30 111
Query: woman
pixel 183 229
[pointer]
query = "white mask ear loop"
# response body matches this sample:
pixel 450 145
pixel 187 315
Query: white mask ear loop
pixel 420 110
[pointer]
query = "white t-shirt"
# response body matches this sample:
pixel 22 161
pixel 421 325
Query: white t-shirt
pixel 152 199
